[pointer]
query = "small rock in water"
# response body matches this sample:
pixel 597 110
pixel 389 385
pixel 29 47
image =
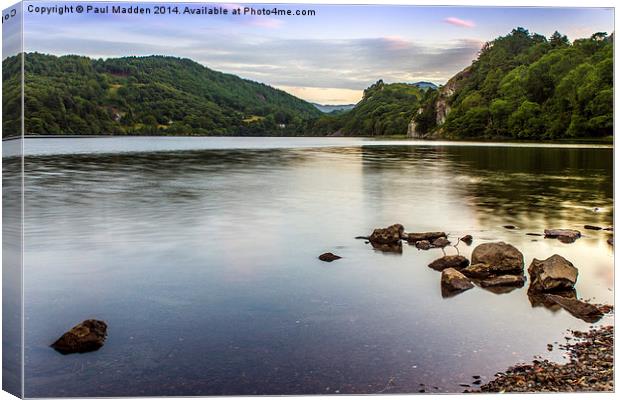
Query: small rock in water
pixel 610 241
pixel 510 227
pixel 467 239
pixel 329 257
pixel 453 280
pixel 441 242
pixel 477 382
pixel 579 309
pixel 564 235
pixel 423 245
pixel 533 234
pixel 84 337
pixel 418 236
pixel 456 262
pixel 504 280
pixel 390 235
pixel 592 227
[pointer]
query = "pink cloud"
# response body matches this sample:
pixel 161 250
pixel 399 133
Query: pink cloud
pixel 459 22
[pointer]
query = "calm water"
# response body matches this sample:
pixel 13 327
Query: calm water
pixel 201 255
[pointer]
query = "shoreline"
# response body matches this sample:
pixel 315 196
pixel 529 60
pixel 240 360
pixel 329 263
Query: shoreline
pixel 590 368
pixel 608 141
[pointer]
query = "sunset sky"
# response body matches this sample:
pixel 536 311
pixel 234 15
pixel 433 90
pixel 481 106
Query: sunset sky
pixel 327 58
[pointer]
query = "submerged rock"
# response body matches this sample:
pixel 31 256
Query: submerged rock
pixel 510 227
pixel 579 309
pixel 419 236
pixel 554 273
pixel 504 280
pixel 592 227
pixel 610 241
pixel 441 242
pixel 423 245
pixel 453 281
pixel 329 257
pixel 564 235
pixel 501 257
pixel 84 337
pixel 390 235
pixel 456 262
pixel 467 239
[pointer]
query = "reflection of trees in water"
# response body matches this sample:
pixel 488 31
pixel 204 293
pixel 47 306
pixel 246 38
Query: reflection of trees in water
pixel 540 187
pixel 527 186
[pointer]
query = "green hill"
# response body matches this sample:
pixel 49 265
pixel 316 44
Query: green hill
pixel 385 109
pixel 145 95
pixel 525 86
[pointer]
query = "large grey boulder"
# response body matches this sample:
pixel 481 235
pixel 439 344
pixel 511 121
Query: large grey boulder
pixel 554 273
pixel 502 258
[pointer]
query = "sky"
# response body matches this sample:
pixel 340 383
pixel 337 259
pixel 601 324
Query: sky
pixel 328 58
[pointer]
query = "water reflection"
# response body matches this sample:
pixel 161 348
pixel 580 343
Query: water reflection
pixel 204 265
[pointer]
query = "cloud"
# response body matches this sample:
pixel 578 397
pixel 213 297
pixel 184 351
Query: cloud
pixel 346 64
pixel 459 22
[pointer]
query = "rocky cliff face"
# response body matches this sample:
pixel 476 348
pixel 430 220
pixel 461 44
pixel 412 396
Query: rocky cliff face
pixel 442 108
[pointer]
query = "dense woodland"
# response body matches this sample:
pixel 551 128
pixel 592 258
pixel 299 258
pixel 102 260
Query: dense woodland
pixel 521 86
pixel 146 95
pixel 526 86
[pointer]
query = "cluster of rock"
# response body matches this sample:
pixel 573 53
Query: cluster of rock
pixel 498 267
pixel 493 265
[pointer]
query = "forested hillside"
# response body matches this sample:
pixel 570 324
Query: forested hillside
pixel 526 86
pixel 148 95
pixel 385 109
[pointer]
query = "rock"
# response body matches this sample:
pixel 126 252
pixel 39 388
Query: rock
pixel 329 257
pixel 510 227
pixel 84 337
pixel 554 273
pixel 609 228
pixel 610 241
pixel 389 247
pixel 533 234
pixel 538 299
pixel 504 280
pixel 430 236
pixel 579 309
pixel 441 242
pixel 456 262
pixel 478 271
pixel 423 245
pixel 453 281
pixel 592 227
pixel 390 235
pixel 502 257
pixel 467 239
pixel 564 235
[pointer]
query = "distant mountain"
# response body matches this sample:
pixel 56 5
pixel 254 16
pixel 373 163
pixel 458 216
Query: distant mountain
pixel 425 85
pixel 328 108
pixel 143 95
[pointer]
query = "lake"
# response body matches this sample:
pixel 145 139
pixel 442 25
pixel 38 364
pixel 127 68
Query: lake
pixel 201 255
